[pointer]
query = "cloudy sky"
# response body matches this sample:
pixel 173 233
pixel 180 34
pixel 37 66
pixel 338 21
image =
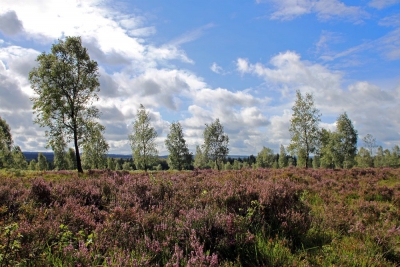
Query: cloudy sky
pixel 195 61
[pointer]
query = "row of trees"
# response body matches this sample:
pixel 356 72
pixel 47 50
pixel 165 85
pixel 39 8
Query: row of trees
pixel 336 149
pixel 66 85
pixel 145 153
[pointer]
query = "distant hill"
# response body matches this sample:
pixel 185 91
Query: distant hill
pixel 50 156
pixel 34 155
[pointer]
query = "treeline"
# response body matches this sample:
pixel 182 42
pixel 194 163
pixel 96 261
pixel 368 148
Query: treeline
pixel 66 85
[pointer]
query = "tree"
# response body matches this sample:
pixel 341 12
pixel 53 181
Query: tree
pixel 6 144
pixel 179 157
pixel 110 164
pixel 228 166
pixel 71 159
pixel 18 159
pixel 42 162
pixel 347 141
pixel 32 165
pixel 60 156
pixel 369 143
pixel 283 161
pixel 379 159
pixel 215 143
pixel 304 129
pixel 200 159
pixel 394 157
pixel 142 140
pixel 364 158
pixel 265 158
pixel 66 84
pixel 95 147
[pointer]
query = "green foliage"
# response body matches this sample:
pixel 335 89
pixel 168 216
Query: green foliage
pixel 95 148
pixel 66 84
pixel 304 129
pixel 110 164
pixel 200 159
pixel 127 166
pixel 179 157
pixel 266 158
pixel 347 145
pixel 18 159
pixel 71 159
pixel 215 143
pixel 6 144
pixel 228 166
pixel 338 149
pixel 11 246
pixel 364 158
pixel 283 160
pixel 32 165
pixel 237 165
pixel 142 140
pixel 42 164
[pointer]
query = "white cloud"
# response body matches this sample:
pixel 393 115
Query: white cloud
pixel 326 39
pixel 370 107
pixel 390 21
pixel 324 9
pixel 143 32
pixel 388 46
pixel 191 35
pixel 289 71
pixel 217 69
pixel 10 24
pixel 380 4
pixel 109 34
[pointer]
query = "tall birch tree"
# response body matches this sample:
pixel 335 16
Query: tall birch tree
pixel 179 157
pixel 304 127
pixel 66 85
pixel 143 141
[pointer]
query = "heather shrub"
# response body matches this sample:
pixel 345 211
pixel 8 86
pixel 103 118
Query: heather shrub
pixel 263 217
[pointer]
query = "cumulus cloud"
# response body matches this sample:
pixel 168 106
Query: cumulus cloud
pixel 363 101
pixel 10 24
pixel 289 72
pixel 324 9
pixel 15 64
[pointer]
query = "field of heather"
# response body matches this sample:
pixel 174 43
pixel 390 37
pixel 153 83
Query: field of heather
pixel 264 217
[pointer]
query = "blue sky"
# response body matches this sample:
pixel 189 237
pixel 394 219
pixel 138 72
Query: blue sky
pixel 195 61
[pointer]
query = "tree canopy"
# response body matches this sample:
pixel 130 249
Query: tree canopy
pixel 95 148
pixel 143 137
pixel 215 143
pixel 66 84
pixel 6 143
pixel 304 127
pixel 266 158
pixel 179 157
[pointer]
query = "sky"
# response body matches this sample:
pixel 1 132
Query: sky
pixel 195 61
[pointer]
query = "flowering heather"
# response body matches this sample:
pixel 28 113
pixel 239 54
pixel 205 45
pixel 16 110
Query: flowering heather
pixel 264 217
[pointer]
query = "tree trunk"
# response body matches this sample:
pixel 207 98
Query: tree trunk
pixel 78 157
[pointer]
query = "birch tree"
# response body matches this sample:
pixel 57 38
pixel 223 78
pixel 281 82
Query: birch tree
pixel 143 137
pixel 179 157
pixel 304 127
pixel 215 143
pixel 66 85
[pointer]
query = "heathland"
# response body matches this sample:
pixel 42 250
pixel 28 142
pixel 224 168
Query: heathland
pixel 248 217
